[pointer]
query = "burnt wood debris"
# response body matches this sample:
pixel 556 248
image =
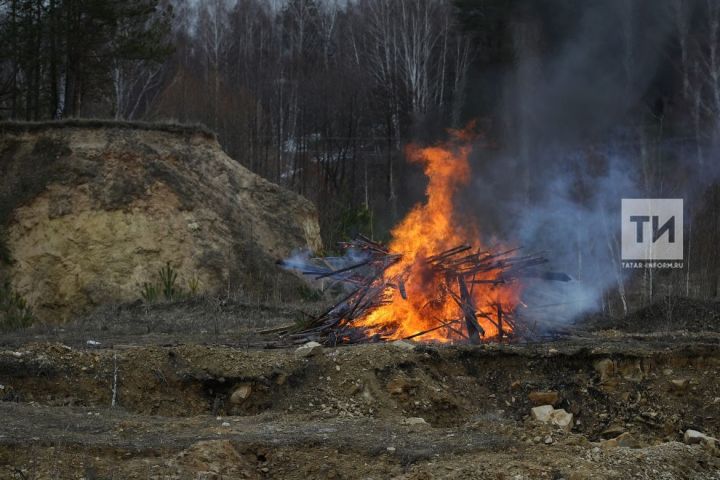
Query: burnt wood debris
pixel 459 270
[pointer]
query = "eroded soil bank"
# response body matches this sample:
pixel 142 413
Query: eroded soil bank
pixel 211 411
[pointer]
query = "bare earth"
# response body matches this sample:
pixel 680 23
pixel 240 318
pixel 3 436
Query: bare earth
pixel 347 412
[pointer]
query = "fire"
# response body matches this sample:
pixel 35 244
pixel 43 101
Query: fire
pixel 432 227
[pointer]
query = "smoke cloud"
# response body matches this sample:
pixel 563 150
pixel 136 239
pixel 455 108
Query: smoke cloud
pixel 571 152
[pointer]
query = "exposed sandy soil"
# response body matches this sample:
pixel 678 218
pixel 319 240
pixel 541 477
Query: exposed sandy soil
pixel 348 412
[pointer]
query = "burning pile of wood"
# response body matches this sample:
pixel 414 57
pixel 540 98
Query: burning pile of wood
pixel 456 271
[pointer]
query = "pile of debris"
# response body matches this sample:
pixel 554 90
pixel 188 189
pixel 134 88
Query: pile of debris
pixel 456 271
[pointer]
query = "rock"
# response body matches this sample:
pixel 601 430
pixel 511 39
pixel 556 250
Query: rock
pixel 679 385
pixel 113 204
pixel 544 398
pixel 561 418
pixel 93 343
pixel 515 385
pixel 547 414
pixel 241 393
pixel 403 345
pixel 391 449
pixel 542 413
pixel 693 437
pixel 548 440
pixel 606 368
pixel 310 349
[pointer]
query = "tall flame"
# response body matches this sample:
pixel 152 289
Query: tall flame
pixel 432 227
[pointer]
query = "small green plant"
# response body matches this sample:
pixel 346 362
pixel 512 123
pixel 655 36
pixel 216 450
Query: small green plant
pixel 166 286
pixel 150 292
pixel 168 277
pixel 15 313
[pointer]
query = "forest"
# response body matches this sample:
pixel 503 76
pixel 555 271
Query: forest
pixel 577 104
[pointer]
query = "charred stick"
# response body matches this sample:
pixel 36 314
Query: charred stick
pixel 424 332
pixel 447 253
pixel 346 269
pixel 468 308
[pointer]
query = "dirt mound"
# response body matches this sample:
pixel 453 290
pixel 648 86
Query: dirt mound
pixel 91 211
pixel 666 314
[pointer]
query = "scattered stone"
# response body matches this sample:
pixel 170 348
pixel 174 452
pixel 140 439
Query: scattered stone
pixel 693 437
pixel 310 349
pixel 544 398
pixel 542 413
pixel 515 385
pixel 241 393
pixel 93 343
pixel 548 440
pixel 547 414
pixel 561 418
pixel 679 385
pixel 403 345
pixel 391 449
pixel 225 424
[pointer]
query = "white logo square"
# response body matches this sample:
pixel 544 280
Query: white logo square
pixel 652 228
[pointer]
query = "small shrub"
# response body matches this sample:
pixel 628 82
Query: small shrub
pixel 14 310
pixel 168 277
pixel 167 287
pixel 150 292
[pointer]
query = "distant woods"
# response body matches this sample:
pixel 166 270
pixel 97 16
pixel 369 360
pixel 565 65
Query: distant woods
pixel 66 58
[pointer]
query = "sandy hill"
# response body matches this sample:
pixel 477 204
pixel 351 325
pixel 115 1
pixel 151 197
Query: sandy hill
pixel 91 210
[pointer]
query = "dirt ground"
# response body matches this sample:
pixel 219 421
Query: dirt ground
pixel 141 392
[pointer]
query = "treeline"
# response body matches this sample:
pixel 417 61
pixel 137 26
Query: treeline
pixel 320 95
pixel 63 58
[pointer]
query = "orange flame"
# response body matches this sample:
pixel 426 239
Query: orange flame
pixel 430 228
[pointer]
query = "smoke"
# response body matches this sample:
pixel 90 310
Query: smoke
pixel 303 262
pixel 571 111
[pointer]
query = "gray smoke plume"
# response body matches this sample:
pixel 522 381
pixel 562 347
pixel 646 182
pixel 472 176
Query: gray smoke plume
pixel 571 152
